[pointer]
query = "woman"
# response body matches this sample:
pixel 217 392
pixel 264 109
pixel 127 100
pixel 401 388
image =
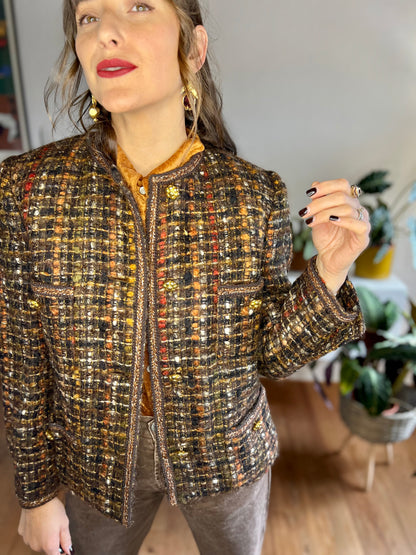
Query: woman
pixel 144 291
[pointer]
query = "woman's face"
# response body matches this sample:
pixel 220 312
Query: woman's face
pixel 128 51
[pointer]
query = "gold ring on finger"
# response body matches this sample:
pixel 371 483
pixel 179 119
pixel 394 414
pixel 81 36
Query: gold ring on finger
pixel 360 212
pixel 355 191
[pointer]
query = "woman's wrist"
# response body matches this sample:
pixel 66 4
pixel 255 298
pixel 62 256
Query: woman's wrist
pixel 333 282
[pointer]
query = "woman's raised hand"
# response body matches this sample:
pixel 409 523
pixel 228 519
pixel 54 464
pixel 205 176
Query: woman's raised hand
pixel 46 528
pixel 340 228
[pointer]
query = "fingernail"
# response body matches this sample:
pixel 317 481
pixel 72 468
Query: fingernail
pixel 303 212
pixel 309 221
pixel 311 192
pixel 334 218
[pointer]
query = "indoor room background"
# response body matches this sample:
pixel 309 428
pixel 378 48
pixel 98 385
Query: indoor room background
pixel 313 89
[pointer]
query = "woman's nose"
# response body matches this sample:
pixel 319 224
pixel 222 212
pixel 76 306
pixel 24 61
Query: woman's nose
pixel 109 30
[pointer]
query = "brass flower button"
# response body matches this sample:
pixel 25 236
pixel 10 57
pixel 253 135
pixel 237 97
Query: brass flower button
pixel 257 426
pixel 49 435
pixel 170 285
pixel 255 304
pixel 172 192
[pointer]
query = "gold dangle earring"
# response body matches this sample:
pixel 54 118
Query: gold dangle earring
pixel 186 93
pixel 94 111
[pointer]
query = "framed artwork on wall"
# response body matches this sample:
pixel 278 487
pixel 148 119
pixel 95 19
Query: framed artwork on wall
pixel 13 129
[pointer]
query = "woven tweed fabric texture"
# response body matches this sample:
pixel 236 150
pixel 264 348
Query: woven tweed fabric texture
pixel 81 282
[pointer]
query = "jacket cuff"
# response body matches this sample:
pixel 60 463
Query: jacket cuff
pixel 31 494
pixel 25 504
pixel 345 306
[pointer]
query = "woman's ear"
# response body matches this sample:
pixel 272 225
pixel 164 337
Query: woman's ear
pixel 197 59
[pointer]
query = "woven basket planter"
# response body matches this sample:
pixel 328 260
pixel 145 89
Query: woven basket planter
pixel 378 429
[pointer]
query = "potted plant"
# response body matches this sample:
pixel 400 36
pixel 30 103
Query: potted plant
pixel 374 403
pixel 303 247
pixel 386 221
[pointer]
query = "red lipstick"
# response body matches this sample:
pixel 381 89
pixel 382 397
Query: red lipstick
pixel 114 68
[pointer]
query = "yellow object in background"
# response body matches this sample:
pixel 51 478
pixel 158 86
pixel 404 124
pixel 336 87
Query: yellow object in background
pixel 365 266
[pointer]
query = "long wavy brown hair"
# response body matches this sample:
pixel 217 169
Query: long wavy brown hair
pixel 205 118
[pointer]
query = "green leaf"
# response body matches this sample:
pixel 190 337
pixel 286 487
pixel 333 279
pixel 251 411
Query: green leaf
pixel 375 182
pixel 371 307
pixel 309 250
pixel 297 243
pixel 377 315
pixel 382 228
pixel 373 390
pixel 391 314
pixel 393 351
pixel 397 340
pixel 350 371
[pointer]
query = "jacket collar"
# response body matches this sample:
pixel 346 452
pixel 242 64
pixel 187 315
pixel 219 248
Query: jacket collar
pixel 110 165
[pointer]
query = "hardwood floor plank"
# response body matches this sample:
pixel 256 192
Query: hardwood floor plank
pixel 303 464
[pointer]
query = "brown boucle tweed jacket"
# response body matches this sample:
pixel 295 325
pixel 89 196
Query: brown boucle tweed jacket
pixel 84 286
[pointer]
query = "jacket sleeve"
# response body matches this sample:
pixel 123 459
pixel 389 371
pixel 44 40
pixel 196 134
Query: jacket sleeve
pixel 303 321
pixel 25 372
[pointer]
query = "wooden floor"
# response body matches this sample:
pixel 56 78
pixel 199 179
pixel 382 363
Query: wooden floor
pixel 317 507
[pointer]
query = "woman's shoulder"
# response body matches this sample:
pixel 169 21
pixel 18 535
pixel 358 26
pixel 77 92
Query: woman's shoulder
pixel 32 159
pixel 238 166
pixel 18 174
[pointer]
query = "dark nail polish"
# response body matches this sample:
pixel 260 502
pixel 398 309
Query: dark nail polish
pixel 303 212
pixel 311 192
pixel 309 221
pixel 334 218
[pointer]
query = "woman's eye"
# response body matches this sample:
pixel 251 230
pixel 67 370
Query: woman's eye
pixel 86 19
pixel 140 7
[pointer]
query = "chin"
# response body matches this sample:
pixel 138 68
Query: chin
pixel 120 107
pixel 130 103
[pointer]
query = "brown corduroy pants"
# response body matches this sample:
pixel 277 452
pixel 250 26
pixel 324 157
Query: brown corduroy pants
pixel 232 523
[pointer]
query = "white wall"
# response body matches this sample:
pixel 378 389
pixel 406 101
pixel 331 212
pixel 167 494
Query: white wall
pixel 40 38
pixel 322 88
pixel 314 88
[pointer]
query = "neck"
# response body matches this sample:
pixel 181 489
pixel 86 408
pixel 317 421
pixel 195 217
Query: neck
pixel 149 139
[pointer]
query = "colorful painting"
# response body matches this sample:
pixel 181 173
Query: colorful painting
pixel 13 134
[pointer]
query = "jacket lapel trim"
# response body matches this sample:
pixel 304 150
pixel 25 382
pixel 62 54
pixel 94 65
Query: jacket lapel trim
pixel 152 218
pixel 139 319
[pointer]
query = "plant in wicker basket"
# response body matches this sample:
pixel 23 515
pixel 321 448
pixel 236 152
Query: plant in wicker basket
pixel 374 402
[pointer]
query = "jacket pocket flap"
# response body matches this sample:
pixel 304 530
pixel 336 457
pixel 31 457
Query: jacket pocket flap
pixel 252 444
pixel 49 290
pixel 241 288
pixel 253 419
